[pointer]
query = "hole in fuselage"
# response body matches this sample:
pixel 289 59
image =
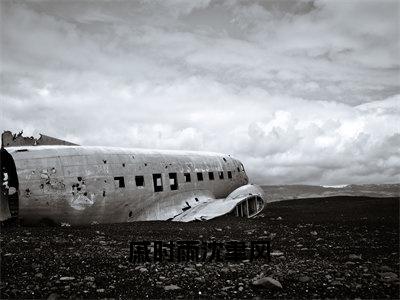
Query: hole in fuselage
pixel 9 184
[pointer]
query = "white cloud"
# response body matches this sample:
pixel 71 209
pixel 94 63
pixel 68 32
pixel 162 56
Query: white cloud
pixel 301 92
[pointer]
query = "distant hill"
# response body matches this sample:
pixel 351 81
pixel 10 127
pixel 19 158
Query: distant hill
pixel 288 192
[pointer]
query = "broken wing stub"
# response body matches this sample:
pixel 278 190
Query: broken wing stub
pixel 245 201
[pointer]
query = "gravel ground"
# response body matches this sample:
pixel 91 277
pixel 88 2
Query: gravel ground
pixel 345 247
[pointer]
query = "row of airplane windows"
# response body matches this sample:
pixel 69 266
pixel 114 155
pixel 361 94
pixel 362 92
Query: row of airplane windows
pixel 173 179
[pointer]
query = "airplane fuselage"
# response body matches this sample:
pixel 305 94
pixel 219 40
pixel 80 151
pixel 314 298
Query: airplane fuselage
pixel 83 185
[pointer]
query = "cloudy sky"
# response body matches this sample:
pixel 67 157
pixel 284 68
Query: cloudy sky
pixel 300 91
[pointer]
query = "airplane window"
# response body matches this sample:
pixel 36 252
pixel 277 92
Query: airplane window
pixel 242 167
pixel 173 181
pixel 211 175
pixel 238 169
pixel 199 176
pixel 119 181
pixel 139 180
pixel 221 175
pixel 187 177
pixel 229 174
pixel 157 181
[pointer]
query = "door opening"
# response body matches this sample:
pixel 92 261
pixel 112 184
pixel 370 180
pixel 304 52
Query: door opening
pixel 9 204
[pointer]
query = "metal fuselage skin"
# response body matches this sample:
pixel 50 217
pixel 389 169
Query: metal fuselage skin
pixel 84 185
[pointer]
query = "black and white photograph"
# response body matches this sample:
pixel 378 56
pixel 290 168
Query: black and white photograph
pixel 199 149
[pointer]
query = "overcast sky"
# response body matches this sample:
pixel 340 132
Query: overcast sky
pixel 301 92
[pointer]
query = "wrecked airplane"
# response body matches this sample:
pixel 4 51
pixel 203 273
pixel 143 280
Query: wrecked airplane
pixel 85 185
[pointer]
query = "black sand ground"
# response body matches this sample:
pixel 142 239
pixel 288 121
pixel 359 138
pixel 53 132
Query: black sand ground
pixel 332 247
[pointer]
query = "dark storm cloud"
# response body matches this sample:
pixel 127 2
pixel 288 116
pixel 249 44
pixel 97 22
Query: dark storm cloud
pixel 301 92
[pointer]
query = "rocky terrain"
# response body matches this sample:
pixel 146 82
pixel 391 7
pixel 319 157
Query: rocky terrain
pixel 345 247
